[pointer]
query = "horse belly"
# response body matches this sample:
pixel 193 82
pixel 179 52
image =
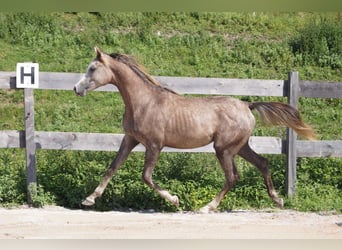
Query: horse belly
pixel 185 141
pixel 185 130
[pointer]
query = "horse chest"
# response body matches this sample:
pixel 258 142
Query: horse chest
pixel 142 126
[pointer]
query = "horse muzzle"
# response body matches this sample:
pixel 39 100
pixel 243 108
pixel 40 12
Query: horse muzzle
pixel 79 93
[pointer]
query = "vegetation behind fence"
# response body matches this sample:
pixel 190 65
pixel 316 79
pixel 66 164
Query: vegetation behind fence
pixel 290 146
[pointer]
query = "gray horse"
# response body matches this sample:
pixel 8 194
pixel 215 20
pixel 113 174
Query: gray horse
pixel 156 117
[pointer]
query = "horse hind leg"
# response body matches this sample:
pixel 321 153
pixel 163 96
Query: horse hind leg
pixel 226 160
pixel 262 164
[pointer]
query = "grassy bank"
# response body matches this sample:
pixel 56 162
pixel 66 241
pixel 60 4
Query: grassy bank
pixel 230 45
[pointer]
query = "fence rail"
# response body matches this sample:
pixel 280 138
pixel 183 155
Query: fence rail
pixel 195 85
pixel 292 88
pixel 111 142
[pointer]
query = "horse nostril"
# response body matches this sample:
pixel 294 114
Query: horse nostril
pixel 78 93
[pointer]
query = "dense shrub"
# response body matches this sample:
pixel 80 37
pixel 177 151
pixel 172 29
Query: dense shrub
pixel 320 43
pixel 12 177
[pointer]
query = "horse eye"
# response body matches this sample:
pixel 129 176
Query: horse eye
pixel 92 68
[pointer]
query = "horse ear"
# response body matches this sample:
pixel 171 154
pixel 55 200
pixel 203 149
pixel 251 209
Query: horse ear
pixel 98 52
pixel 100 56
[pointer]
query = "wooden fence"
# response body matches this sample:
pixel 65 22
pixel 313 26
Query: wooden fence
pixel 292 88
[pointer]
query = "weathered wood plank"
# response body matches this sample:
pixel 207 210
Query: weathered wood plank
pixel 222 86
pixel 186 85
pixel 194 85
pixel 7 80
pixel 291 137
pixel 111 142
pixel 81 141
pixel 31 177
pixel 12 139
pixel 49 81
pixel 65 81
pixel 78 141
pixel 320 89
pixel 266 144
pixel 319 148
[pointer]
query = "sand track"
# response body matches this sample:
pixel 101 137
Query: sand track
pixel 54 222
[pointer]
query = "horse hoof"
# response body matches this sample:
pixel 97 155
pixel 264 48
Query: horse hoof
pixel 280 203
pixel 206 210
pixel 175 200
pixel 88 202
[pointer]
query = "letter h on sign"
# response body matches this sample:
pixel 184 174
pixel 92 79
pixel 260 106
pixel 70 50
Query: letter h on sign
pixel 27 75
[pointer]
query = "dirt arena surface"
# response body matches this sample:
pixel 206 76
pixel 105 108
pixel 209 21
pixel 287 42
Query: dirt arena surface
pixel 54 222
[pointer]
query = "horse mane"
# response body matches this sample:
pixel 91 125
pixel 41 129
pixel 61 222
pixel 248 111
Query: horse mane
pixel 138 69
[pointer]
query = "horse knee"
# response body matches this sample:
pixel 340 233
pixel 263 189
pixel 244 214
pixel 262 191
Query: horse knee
pixel 147 179
pixel 236 174
pixel 231 180
pixel 235 179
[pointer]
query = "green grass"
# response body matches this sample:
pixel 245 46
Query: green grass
pixel 229 45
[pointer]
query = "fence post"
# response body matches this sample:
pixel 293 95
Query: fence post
pixel 30 145
pixel 291 136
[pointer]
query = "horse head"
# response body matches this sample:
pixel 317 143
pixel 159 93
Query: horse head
pixel 98 74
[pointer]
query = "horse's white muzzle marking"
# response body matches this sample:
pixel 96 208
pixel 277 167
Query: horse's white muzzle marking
pixel 83 86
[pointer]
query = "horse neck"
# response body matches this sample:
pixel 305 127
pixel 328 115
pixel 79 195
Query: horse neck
pixel 133 89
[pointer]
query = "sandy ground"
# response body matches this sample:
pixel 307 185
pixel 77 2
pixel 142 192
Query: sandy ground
pixel 59 223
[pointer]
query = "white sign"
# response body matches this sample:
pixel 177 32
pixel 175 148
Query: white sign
pixel 27 75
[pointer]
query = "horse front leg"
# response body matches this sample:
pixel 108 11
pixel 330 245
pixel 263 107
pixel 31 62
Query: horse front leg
pixel 151 158
pixel 127 144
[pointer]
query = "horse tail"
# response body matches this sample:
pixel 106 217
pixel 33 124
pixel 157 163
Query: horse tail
pixel 276 113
